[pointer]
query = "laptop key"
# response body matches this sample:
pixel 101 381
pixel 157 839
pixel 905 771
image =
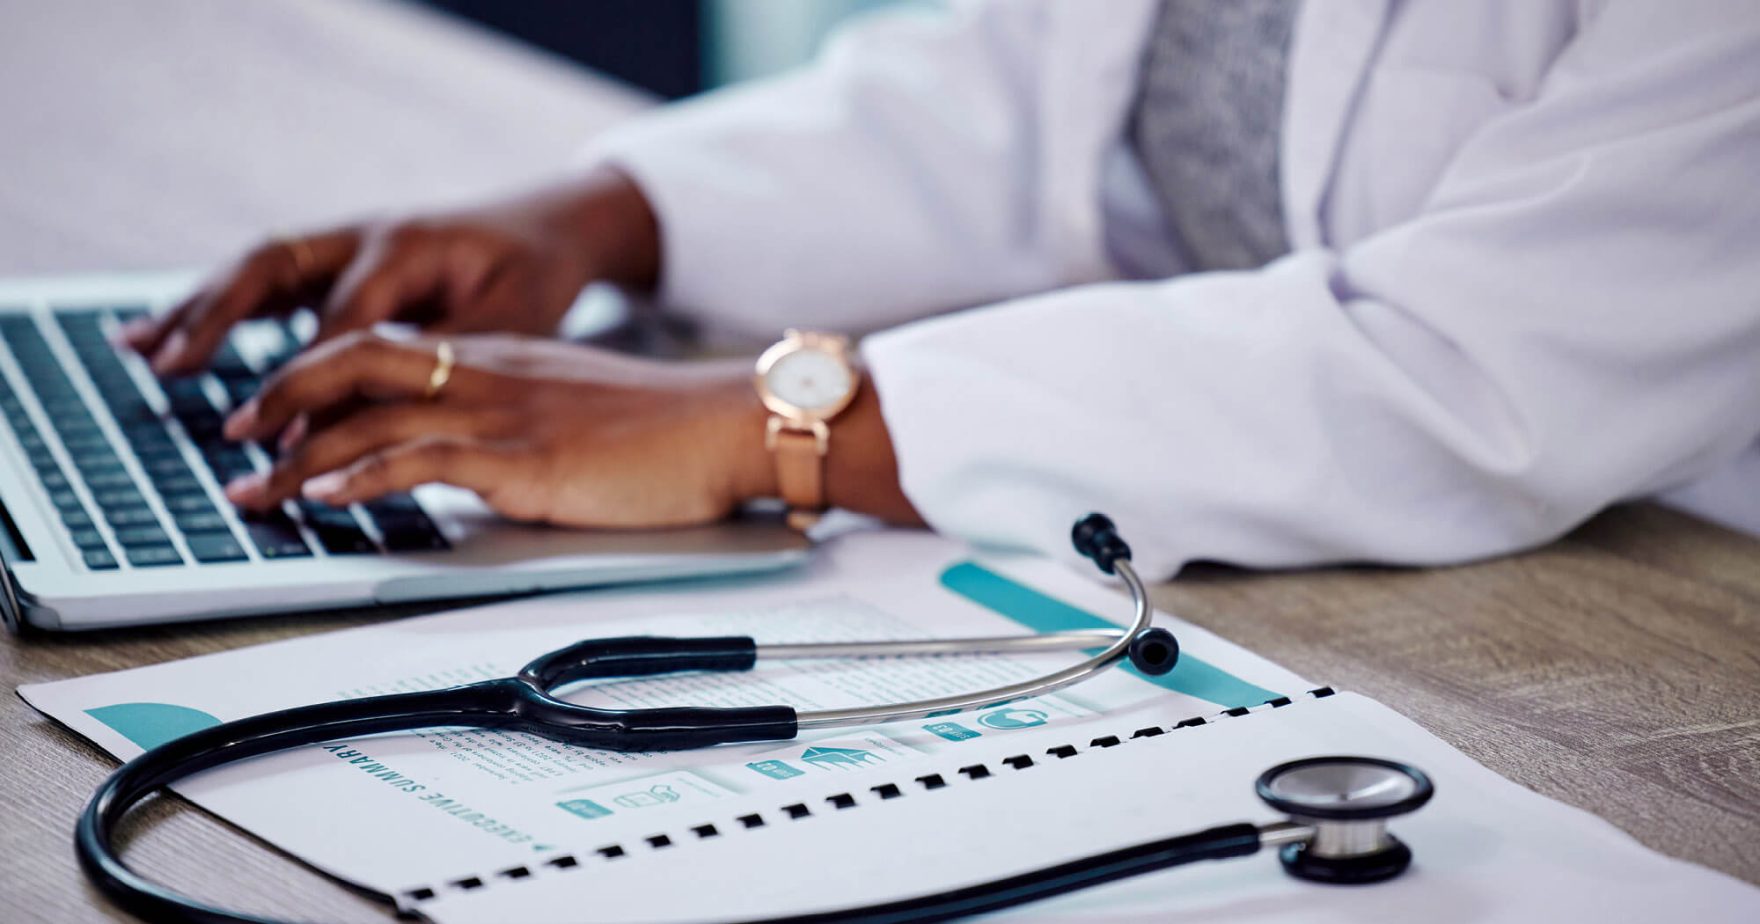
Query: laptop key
pixel 131 410
pixel 103 467
pixel 67 410
pixel 166 466
pixel 97 462
pixel 176 481
pixel 276 536
pixel 240 390
pixel 88 538
pixel 215 546
pixel 118 497
pixel 92 458
pixel 188 503
pixel 228 364
pixel 84 440
pixel 228 466
pixel 344 540
pixel 147 434
pixel 99 559
pixel 413 535
pixel 142 534
pixel 108 478
pixel 152 556
pixel 393 503
pixel 130 516
pixel 318 513
pixel 194 521
pixel 182 484
pixel 203 426
pixel 187 396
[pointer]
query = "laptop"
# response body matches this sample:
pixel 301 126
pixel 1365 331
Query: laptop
pixel 111 511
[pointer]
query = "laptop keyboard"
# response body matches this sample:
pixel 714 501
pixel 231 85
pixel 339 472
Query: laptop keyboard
pixel 143 503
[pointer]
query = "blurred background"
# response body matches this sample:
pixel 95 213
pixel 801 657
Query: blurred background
pixel 672 47
pixel 173 134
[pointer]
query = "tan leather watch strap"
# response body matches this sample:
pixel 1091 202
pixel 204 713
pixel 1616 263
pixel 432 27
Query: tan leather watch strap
pixel 800 470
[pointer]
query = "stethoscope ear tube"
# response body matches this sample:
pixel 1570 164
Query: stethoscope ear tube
pixel 527 703
pixel 222 744
pixel 1096 538
pixel 508 703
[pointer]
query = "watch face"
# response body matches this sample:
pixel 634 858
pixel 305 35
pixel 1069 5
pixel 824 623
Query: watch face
pixel 809 379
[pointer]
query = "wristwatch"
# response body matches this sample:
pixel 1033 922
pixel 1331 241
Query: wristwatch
pixel 806 380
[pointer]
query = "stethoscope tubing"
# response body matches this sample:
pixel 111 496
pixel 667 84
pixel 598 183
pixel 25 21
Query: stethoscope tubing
pixel 1219 843
pixel 526 702
pixel 1027 689
pixel 234 741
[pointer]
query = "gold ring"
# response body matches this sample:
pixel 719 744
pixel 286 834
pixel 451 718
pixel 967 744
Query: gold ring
pixel 299 250
pixel 444 359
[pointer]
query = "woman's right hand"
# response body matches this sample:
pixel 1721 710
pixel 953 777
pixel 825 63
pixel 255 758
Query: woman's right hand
pixel 511 266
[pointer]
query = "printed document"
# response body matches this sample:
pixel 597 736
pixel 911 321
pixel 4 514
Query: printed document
pixel 401 813
pixel 1484 849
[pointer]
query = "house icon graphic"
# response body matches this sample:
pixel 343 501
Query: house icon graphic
pixel 843 758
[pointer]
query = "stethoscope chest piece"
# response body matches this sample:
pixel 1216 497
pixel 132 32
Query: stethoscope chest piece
pixel 1346 801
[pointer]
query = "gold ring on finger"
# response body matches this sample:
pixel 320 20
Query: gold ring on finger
pixel 444 359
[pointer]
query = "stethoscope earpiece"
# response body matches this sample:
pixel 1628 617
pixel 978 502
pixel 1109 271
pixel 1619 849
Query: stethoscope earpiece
pixel 1154 651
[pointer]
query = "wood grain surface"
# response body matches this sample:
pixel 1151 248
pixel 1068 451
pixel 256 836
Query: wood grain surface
pixel 1617 670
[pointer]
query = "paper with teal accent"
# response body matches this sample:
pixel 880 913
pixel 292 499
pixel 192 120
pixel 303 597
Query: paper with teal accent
pixel 1485 849
pixel 404 814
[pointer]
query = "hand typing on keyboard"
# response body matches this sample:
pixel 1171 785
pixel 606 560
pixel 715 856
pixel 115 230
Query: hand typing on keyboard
pixel 514 266
pixel 544 431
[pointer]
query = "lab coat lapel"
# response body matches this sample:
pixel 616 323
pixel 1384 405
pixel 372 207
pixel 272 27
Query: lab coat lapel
pixel 1333 45
pixel 1090 79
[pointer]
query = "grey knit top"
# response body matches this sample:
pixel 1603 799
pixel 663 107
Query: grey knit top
pixel 1207 127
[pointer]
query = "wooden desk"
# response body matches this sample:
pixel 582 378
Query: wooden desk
pixel 1618 670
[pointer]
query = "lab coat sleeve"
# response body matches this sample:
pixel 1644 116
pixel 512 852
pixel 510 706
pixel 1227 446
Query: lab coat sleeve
pixel 893 178
pixel 1572 319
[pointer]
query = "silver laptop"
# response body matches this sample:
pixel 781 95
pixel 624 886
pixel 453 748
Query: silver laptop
pixel 111 512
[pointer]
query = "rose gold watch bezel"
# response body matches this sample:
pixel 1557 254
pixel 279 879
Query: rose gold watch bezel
pixel 796 341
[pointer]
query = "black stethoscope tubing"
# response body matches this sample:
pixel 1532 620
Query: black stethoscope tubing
pixel 526 703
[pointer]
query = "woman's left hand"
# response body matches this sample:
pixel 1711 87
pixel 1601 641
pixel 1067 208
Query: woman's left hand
pixel 544 431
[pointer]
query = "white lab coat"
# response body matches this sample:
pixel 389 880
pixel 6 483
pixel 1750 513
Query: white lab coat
pixel 1525 278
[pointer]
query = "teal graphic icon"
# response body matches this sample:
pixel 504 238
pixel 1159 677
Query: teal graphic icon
pixel 952 731
pixel 841 758
pixel 152 724
pixel 658 794
pixel 1014 718
pixel 586 808
pixel 775 769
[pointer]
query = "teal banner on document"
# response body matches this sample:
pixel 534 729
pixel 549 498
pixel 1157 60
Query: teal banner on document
pixel 1192 676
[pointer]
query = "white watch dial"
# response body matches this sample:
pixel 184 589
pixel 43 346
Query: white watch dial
pixel 810 380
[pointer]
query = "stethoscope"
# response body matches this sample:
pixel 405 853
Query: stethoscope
pixel 1336 833
pixel 1334 837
